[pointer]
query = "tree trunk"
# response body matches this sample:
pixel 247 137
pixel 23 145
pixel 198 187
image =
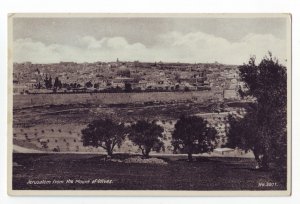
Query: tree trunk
pixel 109 148
pixel 109 152
pixel 257 158
pixel 145 153
pixel 264 162
pixel 190 157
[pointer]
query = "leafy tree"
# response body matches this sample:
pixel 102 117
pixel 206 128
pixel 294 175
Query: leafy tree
pixel 88 84
pixel 48 82
pixel 38 85
pixel 128 87
pixel 264 128
pixel 192 135
pixel 104 133
pixel 243 133
pixel 147 136
pixel 57 83
pixel 186 88
pixel 66 85
pixel 96 85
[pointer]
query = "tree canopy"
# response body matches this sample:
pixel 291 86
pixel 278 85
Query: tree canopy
pixel 57 83
pixel 192 135
pixel 104 133
pixel 264 127
pixel 48 82
pixel 88 84
pixel 147 136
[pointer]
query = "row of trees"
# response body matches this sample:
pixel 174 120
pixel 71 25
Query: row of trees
pixel 263 129
pixel 192 135
pixel 56 85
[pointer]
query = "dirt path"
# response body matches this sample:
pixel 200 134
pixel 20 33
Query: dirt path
pixel 20 149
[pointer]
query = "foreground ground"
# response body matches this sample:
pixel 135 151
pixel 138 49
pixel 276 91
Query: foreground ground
pixel 93 172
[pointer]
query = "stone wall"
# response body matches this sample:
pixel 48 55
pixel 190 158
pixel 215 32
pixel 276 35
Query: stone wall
pixel 20 101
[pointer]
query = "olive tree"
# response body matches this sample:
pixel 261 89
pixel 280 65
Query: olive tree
pixel 264 127
pixel 147 136
pixel 193 135
pixel 104 133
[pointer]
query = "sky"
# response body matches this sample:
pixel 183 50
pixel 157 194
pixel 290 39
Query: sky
pixel 175 39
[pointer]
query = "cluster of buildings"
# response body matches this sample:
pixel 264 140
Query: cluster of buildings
pixel 220 80
pixel 223 80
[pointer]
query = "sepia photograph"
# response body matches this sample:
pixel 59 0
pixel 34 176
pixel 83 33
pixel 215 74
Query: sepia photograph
pixel 149 104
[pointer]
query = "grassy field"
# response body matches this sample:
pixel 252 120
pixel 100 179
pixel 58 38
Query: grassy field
pixel 178 174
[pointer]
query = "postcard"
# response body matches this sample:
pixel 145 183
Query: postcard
pixel 149 104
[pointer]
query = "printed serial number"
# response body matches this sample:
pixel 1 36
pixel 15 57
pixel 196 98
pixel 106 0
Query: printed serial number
pixel 267 184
